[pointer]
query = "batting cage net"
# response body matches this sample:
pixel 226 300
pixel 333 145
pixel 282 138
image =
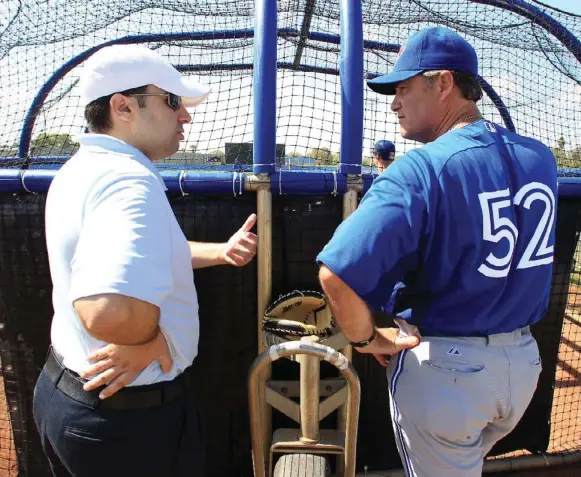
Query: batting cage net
pixel 530 68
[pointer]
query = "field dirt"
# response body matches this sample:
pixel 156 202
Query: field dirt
pixel 8 461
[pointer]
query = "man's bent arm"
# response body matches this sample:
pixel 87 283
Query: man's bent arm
pixel 207 254
pixel 350 311
pixel 118 319
pixel 238 251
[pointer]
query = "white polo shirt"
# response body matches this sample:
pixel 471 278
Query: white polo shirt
pixel 110 229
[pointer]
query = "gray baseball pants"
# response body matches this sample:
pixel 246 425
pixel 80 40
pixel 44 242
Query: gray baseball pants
pixel 453 398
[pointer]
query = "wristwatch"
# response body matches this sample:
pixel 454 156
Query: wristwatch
pixel 363 344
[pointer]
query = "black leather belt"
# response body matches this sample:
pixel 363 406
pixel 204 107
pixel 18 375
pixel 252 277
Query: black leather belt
pixel 440 334
pixel 132 397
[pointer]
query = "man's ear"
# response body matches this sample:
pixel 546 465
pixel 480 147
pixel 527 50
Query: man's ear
pixel 122 107
pixel 445 84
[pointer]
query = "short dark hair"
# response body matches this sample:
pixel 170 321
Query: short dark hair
pixel 467 83
pixel 97 112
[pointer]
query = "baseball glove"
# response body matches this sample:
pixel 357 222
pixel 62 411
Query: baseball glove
pixel 297 314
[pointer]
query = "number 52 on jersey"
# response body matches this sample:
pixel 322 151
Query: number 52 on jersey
pixel 495 228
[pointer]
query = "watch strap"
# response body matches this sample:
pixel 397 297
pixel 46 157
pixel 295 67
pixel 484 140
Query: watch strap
pixel 363 344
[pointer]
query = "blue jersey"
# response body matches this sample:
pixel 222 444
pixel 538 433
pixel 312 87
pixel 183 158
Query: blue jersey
pixel 465 226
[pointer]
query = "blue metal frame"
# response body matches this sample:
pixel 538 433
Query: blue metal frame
pixel 538 17
pixel 569 187
pixel 265 70
pixel 265 46
pixel 497 101
pixel 298 182
pixel 15 181
pixel 351 75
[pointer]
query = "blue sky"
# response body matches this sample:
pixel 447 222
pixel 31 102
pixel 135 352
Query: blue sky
pixel 571 6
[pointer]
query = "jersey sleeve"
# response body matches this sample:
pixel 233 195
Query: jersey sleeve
pixel 380 242
pixel 124 246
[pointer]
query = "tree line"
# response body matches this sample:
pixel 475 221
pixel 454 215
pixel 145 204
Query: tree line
pixel 571 158
pixel 47 144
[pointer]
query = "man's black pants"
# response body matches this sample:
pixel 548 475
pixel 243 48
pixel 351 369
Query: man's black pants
pixel 83 441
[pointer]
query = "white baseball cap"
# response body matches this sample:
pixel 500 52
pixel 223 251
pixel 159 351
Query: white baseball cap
pixel 117 68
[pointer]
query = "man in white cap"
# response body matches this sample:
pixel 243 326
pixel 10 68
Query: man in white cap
pixel 115 396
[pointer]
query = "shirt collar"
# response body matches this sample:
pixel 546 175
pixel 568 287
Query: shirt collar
pixel 113 144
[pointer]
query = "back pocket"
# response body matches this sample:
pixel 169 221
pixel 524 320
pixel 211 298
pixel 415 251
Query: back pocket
pixel 82 434
pixel 454 367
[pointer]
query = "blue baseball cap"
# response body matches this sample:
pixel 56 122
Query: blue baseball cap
pixel 385 150
pixel 434 48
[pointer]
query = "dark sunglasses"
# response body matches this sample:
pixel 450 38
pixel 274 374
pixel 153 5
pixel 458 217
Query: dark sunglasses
pixel 173 100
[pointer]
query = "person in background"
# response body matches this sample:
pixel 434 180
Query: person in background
pixel 383 154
